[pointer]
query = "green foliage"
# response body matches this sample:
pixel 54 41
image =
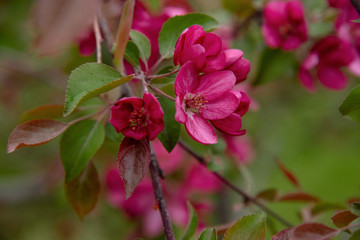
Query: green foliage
pixel 356 20
pixel 173 27
pixel 355 235
pixel 274 64
pixel 208 234
pixel 143 44
pixel 83 191
pixel 355 208
pixel 351 105
pixel 90 80
pixel 79 144
pixel 251 227
pixel 169 136
pixel 132 54
pixel 241 8
pixel 111 133
pixel 192 225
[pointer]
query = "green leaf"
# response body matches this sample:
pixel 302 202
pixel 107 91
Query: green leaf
pixel 111 133
pixel 174 26
pixel 169 136
pixel 132 54
pixel 355 235
pixel 51 111
pixel 250 227
pixel 79 144
pixel 355 208
pixel 193 223
pixel 83 191
pixel 90 80
pixel 35 132
pixel 356 20
pixel 351 105
pixel 123 32
pixel 154 5
pixel 143 44
pixel 208 234
pixel 241 8
pixel 169 90
pixel 274 64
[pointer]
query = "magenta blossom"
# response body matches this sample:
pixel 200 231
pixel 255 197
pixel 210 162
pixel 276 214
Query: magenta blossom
pixel 194 44
pixel 327 57
pixel 138 118
pixel 203 97
pixel 284 24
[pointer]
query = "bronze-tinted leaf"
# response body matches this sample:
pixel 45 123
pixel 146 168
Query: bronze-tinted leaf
pixel 299 197
pixel 312 231
pixel 51 111
pixel 123 33
pixel 60 22
pixel 268 194
pixel 83 191
pixel 34 133
pixel 288 174
pixel 343 218
pixel 283 234
pixel 133 159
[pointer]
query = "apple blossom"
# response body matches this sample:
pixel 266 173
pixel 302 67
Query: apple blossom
pixel 138 117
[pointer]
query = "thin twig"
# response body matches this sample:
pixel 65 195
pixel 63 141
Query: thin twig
pixel 153 68
pixel 163 75
pixel 98 40
pixel 158 91
pixel 247 197
pixel 155 177
pixel 104 26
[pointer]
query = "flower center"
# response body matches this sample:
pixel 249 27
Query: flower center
pixel 195 102
pixel 137 117
pixel 286 30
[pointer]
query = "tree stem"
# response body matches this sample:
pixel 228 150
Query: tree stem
pixel 155 177
pixel 247 197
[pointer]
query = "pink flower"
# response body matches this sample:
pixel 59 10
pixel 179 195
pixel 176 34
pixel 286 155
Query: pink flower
pixel 138 117
pixel 284 24
pixel 194 44
pixel 327 57
pixel 87 43
pixel 232 124
pixel 203 97
pixel 169 162
pixel 240 148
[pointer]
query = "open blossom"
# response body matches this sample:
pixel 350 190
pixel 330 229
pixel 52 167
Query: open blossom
pixel 327 57
pixel 203 97
pixel 284 24
pixel 206 50
pixel 138 118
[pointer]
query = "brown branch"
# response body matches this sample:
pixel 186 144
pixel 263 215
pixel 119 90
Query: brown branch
pixel 155 177
pixel 98 40
pixel 247 197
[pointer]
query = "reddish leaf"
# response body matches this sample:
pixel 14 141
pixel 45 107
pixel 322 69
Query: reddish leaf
pixel 134 159
pixel 34 133
pixel 123 33
pixel 288 174
pixel 324 206
pixel 298 197
pixel 284 234
pixel 268 194
pixel 60 22
pixel 312 231
pixel 83 191
pixel 51 111
pixel 343 218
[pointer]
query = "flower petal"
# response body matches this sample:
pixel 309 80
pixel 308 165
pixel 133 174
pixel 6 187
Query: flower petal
pixel 306 79
pixel 241 69
pixel 194 53
pixel 220 108
pixel 215 63
pixel 275 13
pixel 331 77
pixel 200 130
pixel 214 85
pixel 180 114
pixel 187 79
pixel 232 55
pixel 230 125
pixel 212 44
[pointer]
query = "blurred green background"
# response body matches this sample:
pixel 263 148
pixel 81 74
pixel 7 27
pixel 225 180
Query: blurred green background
pixel 305 131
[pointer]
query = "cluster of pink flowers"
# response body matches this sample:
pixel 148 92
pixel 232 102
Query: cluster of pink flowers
pixel 204 85
pixel 195 180
pixel 284 24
